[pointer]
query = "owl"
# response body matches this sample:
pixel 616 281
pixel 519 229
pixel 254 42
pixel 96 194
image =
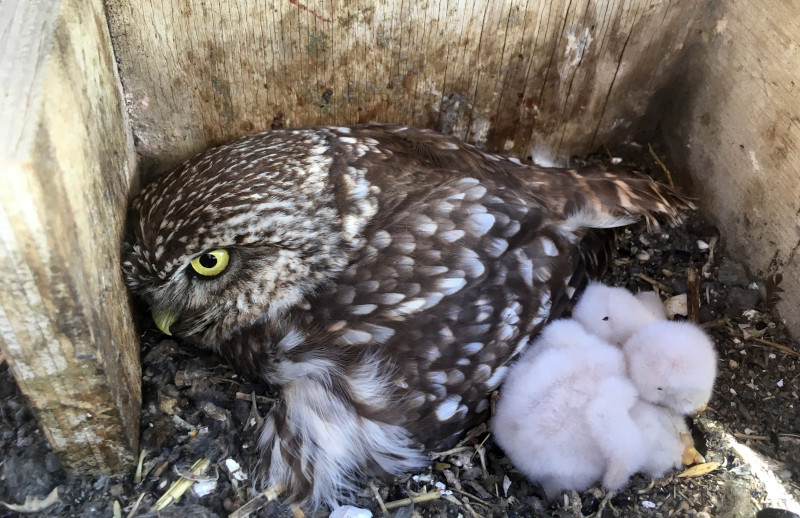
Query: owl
pixel 379 277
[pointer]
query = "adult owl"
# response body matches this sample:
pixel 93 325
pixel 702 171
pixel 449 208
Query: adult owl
pixel 380 277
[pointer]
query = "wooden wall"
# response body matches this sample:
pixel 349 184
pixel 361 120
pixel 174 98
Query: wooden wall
pixel 66 164
pixel 546 78
pixel 733 123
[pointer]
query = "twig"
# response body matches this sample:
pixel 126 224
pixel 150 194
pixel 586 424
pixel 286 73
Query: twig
pixel 378 498
pixel 692 296
pixel 665 288
pixel 767 343
pixel 257 502
pixel 751 437
pixel 427 497
pixel 2 358
pixel 260 399
pixel 180 486
pixel 442 454
pixel 470 495
pixel 298 513
pixel 706 269
pixel 660 163
pixel 135 506
pixel 138 476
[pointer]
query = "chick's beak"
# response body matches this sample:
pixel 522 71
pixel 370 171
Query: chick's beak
pixel 163 318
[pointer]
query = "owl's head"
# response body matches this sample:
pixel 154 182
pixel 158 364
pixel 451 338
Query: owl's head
pixel 240 233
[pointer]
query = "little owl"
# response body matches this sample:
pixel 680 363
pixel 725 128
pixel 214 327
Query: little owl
pixel 380 277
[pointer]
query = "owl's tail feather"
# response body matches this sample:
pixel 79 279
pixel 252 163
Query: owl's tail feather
pixel 605 198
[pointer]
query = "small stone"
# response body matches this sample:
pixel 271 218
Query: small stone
pixel 702 245
pixel 643 256
pixel 676 305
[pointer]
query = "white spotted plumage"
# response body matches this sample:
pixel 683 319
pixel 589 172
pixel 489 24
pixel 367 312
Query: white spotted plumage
pixel 384 246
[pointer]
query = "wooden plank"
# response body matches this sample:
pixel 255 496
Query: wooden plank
pixel 546 77
pixel 66 160
pixel 734 127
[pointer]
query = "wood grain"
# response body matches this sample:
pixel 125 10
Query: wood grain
pixel 733 123
pixel 65 323
pixel 544 78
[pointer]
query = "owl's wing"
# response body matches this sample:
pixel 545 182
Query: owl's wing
pixel 466 255
pixel 448 290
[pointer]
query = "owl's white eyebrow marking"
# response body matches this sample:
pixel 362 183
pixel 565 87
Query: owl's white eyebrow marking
pixel 448 407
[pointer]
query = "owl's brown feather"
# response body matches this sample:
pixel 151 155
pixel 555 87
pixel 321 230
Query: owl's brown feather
pixel 381 277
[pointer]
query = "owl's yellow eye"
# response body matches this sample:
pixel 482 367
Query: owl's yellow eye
pixel 211 263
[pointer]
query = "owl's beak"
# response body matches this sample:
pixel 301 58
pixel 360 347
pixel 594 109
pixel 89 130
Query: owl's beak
pixel 163 319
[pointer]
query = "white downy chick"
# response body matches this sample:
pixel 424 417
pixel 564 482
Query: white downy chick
pixel 612 313
pixel 666 437
pixel 653 303
pixel 541 420
pixel 672 364
pixel 617 435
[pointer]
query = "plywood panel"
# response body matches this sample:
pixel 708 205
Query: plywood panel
pixel 530 77
pixel 65 323
pixel 734 125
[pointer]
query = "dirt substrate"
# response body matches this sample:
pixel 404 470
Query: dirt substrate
pixel 195 406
